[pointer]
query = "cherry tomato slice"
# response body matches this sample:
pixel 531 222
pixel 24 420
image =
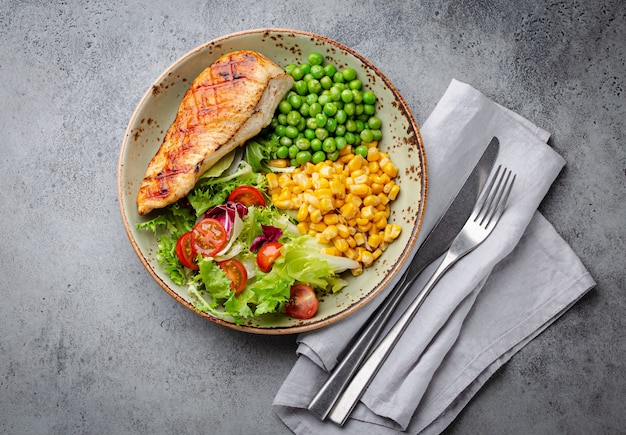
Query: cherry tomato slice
pixel 208 237
pixel 247 195
pixel 302 302
pixel 236 272
pixel 268 253
pixel 184 252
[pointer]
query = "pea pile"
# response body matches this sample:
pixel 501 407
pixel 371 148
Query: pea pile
pixel 326 110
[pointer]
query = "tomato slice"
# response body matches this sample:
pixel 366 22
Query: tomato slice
pixel 236 272
pixel 247 195
pixel 302 302
pixel 184 252
pixel 268 253
pixel 208 237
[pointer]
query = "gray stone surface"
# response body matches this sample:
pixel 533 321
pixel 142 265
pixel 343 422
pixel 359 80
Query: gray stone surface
pixel 90 344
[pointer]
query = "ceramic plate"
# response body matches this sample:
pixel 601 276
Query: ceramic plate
pixel 401 139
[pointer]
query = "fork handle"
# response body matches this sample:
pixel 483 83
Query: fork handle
pixel 353 392
pixel 341 375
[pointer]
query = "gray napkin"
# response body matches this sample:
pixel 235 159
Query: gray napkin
pixel 486 308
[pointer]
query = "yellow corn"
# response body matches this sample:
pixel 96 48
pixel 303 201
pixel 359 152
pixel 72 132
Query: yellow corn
pixel 344 204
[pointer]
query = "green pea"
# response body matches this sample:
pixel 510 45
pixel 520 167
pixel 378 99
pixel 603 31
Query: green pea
pixel 320 119
pixel 285 141
pixel 346 96
pixel 291 131
pixel 331 125
pixel 315 108
pixel 280 130
pixel 350 137
pixel 361 150
pixel 357 96
pixel 293 151
pixel 366 135
pixel 338 77
pixel 350 109
pixel 349 74
pixel 326 82
pixel 306 68
pixel 318 157
pixel 330 109
pixel 282 152
pixel 333 156
pixel 293 118
pixel 295 101
pixel 289 68
pixel 317 71
pixel 309 133
pixel 308 77
pixel 369 97
pixel 360 125
pixel 303 157
pixel 304 109
pixel 310 122
pixel 329 145
pixel 374 122
pixel 297 73
pixel 321 133
pixel 378 135
pixel 351 125
pixel 341 116
pixel 355 84
pixel 301 87
pixel 335 93
pixel 316 144
pixel 340 142
pixel 315 58
pixel 284 107
pixel 314 86
pixel 303 143
pixel 358 110
pixel 310 99
pixel 324 98
pixel 340 130
pixel 369 109
pixel 330 70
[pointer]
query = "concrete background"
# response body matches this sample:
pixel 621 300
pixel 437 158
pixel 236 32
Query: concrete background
pixel 90 344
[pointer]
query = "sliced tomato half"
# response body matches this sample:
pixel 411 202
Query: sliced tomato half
pixel 268 253
pixel 184 252
pixel 236 272
pixel 248 196
pixel 208 237
pixel 303 302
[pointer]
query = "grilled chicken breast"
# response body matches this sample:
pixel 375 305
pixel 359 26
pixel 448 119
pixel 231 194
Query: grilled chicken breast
pixel 227 104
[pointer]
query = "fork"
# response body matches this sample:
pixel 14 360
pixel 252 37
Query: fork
pixel 483 219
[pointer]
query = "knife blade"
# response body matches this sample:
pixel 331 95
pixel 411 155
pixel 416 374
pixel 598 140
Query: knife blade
pixel 437 242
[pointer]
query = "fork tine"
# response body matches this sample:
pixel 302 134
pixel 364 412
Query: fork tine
pixel 502 200
pixel 480 203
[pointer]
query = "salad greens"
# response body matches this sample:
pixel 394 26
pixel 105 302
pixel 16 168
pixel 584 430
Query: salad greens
pixel 301 260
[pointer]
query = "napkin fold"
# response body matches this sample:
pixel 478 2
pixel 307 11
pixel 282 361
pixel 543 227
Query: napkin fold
pixel 482 311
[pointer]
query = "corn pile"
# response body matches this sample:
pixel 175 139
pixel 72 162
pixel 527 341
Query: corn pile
pixel 345 203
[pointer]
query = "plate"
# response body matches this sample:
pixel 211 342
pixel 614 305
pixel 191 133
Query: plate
pixel 401 139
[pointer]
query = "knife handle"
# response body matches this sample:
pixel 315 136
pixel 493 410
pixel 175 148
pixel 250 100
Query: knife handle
pixel 345 370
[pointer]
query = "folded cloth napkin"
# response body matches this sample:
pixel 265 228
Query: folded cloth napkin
pixel 483 310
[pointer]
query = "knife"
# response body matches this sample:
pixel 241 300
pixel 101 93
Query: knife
pixel 437 242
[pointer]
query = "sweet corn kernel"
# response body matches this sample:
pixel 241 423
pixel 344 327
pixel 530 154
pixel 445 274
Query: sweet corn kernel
pixel 303 212
pixel 330 232
pixel 272 180
pixel 342 230
pixel 393 193
pixel 374 240
pixel 359 238
pixel 341 244
pixel 359 189
pixel 315 215
pixel 367 213
pixel 303 227
pixel 367 258
pixel 348 210
pixel 390 169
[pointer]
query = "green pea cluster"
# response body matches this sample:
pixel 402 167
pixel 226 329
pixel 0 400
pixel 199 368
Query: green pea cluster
pixel 325 111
